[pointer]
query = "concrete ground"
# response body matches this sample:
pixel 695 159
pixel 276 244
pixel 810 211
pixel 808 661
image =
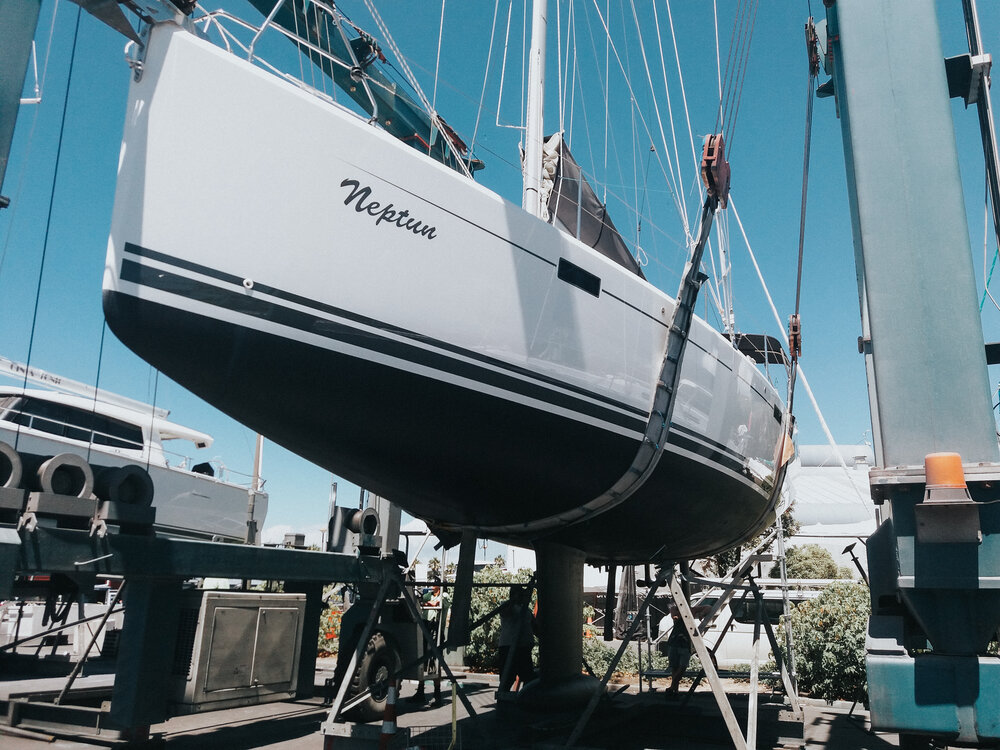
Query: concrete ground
pixel 627 720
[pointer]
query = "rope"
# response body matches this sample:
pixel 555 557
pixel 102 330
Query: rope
pixel 801 373
pixel 23 171
pixel 437 69
pixel 432 113
pixel 48 218
pixel 811 49
pixel 482 94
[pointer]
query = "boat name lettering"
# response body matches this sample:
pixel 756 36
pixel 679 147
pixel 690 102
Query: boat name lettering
pixel 387 213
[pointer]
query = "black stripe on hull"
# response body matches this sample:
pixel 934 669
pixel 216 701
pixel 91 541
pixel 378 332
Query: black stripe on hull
pixel 235 299
pixel 440 451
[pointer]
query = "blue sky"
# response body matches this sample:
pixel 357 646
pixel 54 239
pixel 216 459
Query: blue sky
pixel 766 160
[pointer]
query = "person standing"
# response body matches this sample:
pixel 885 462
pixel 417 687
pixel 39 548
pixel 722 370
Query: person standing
pixel 679 646
pixel 517 638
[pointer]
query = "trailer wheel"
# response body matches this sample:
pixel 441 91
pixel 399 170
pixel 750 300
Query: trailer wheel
pixel 379 662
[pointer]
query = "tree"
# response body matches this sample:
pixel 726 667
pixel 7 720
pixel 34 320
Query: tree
pixel 829 637
pixel 483 648
pixel 725 561
pixel 810 561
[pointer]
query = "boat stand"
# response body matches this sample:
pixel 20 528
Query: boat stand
pixel 392 585
pixel 706 657
pixel 739 579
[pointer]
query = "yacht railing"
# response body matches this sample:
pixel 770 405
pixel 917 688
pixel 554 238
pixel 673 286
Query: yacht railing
pixel 54 429
pixel 217 20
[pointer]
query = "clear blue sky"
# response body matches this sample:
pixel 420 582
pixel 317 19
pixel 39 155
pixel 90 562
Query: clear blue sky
pixel 766 161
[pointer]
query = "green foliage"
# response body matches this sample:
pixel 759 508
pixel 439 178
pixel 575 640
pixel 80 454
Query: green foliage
pixel 483 649
pixel 810 561
pixel 599 654
pixel 829 642
pixel 725 561
pixel 329 626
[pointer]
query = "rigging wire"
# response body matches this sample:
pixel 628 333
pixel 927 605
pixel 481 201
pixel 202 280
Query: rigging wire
pixel 673 186
pixel 633 97
pixel 486 74
pixel 152 415
pixel 718 59
pixel 801 372
pixel 559 76
pixel 642 200
pixel 97 386
pixel 23 169
pixel 607 66
pixel 437 70
pixel 987 277
pixel 565 84
pixel 432 113
pixel 795 335
pixel 503 74
pixel 736 65
pixel 52 195
pixel 687 113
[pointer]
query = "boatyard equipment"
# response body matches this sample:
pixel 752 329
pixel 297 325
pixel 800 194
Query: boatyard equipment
pixel 934 561
pixel 738 579
pixel 155 569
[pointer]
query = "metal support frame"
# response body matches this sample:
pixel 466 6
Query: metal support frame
pixel 695 630
pixel 694 633
pixel 411 605
pixel 359 649
pixel 155 569
pixel 392 580
pixel 581 723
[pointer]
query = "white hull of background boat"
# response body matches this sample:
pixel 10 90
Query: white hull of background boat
pixel 396 323
pixel 188 505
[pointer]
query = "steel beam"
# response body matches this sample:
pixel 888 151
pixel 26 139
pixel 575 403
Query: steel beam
pixel 48 550
pixel 928 383
pixel 934 567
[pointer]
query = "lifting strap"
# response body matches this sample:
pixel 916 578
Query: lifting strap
pixel 715 173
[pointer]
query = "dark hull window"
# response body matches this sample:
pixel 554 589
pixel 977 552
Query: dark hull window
pixel 75 424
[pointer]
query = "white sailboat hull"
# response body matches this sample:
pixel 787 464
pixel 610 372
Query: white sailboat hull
pixel 404 327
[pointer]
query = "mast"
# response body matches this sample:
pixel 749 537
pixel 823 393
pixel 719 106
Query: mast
pixel 531 170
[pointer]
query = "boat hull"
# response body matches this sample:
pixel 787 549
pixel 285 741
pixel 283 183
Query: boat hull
pixel 394 322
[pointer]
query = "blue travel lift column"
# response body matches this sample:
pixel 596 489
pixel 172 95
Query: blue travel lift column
pixel 934 563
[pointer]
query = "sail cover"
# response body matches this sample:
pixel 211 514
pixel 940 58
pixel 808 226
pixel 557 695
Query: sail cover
pixel 573 203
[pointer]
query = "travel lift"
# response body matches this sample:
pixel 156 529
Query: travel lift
pixel 934 561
